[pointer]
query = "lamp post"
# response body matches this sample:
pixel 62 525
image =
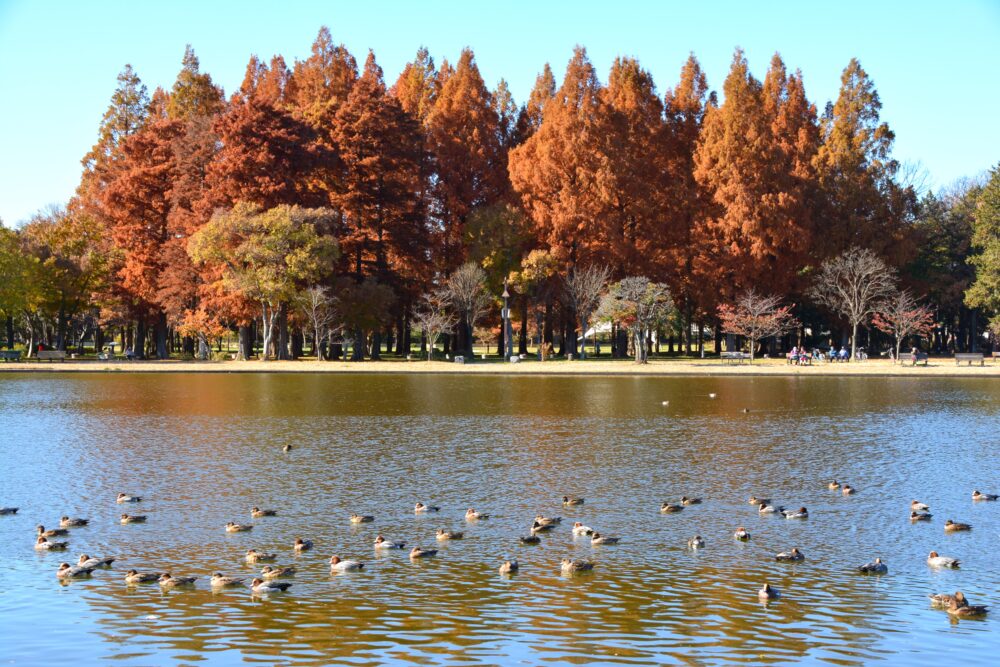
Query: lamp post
pixel 506 324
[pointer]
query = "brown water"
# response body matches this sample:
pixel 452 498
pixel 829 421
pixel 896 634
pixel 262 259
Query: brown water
pixel 203 449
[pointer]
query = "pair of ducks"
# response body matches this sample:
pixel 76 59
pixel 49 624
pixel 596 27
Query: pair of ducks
pixel 258 586
pixel 846 489
pixel 958 605
pixel 766 508
pixel 670 508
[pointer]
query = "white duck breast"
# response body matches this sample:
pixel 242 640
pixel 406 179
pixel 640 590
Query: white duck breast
pixel 934 560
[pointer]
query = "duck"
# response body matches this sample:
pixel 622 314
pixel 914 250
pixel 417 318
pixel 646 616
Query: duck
pixel 530 539
pixel 696 542
pixel 233 527
pixel 580 529
pixel 847 490
pixel 133 518
pixel 754 500
pixel 875 567
pixel 690 501
pixel 833 485
pixel 254 556
pixel 420 508
pixel 934 560
pixel 417 552
pixel 218 580
pixel 570 501
pixel 286 448
pixel 169 581
pixel 257 513
pixel 801 513
pixel 67 571
pixel 539 528
pixel 548 521
pixel 473 515
pixel 126 498
pixel 302 545
pixel 768 592
pixel 135 577
pixel 261 587
pixel 382 543
pixel 952 527
pixel 362 518
pixel 67 522
pixel 960 607
pixel 945 600
pixel 338 565
pixel 597 539
pixel 42 543
pixel 917 506
pixel 87 561
pixel 52 532
pixel 5 511
pixel 573 565
pixel 712 395
pixel 509 567
pixel 741 534
pixel 449 535
pixel 269 572
pixel 764 508
pixel 976 495
pixel 669 508
pixel 792 556
pixel 920 516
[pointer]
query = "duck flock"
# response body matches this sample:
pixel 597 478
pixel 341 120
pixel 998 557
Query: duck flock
pixel 273 578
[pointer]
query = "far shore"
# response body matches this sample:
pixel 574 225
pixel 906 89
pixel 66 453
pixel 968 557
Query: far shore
pixel 937 367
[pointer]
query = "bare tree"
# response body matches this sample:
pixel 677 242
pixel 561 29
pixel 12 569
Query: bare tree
pixel 583 288
pixel 316 306
pixel 466 292
pixel 853 285
pixel 756 317
pixel 638 303
pixel 901 316
pixel 433 319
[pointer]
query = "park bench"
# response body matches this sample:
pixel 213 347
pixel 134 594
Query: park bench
pixel 996 355
pixel 10 355
pixel 731 357
pixel 914 360
pixel 51 355
pixel 969 357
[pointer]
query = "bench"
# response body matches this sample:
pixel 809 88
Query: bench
pixel 10 355
pixel 969 357
pixel 730 357
pixel 51 355
pixel 996 355
pixel 914 359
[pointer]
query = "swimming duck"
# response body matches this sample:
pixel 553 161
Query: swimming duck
pixel 668 508
pixel 530 539
pixel 712 395
pixel 976 495
pixel 539 528
pixel 125 498
pixel 934 560
pixel 920 516
pixel 961 608
pixel 568 566
pixel 87 561
pixel 801 513
pixel 754 500
pixel 219 580
pixel 286 448
pixel 690 501
pixel 768 592
pixel 134 577
pixel 764 508
pixel 580 529
pixel 420 508
pixel 43 544
pixel 269 572
pixel 362 518
pixel 696 542
pixel 569 501
pixel 133 518
pixel 382 543
pixel 952 527
pixel 302 545
pixel 945 600
pixel 233 527
pixel 847 490
pixel 790 556
pixel 548 521
pixel 67 571
pixel 417 552
pixel 473 515
pixel 741 534
pixel 52 532
pixel 875 567
pixel 257 513
pixel 509 567
pixel 917 506
pixel 4 511
pixel 67 522
pixel 833 485
pixel 597 539
pixel 338 565
pixel 261 587
pixel 254 556
pixel 449 535
pixel 169 581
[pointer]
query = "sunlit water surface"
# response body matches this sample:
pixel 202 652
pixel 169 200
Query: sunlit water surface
pixel 203 449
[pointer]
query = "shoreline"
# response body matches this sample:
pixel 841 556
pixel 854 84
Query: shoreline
pixel 943 367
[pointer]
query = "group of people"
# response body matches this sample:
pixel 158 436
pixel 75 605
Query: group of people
pixel 800 356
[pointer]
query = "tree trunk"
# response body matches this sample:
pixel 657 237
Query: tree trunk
pixel 407 338
pixel 283 340
pixel 522 339
pixel 298 343
pixel 854 340
pixel 61 330
pixel 377 345
pixel 10 332
pixel 358 353
pixel 161 336
pixel 243 350
pixel 139 342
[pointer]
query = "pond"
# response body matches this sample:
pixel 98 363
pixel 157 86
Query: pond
pixel 202 449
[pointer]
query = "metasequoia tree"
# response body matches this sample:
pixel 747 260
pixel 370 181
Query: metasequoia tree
pixel 756 316
pixel 322 82
pixel 985 291
pixel 853 285
pixel 466 292
pixel 434 319
pixel 416 88
pixel 900 316
pixel 583 288
pixel 638 304
pixel 193 93
pixel 543 91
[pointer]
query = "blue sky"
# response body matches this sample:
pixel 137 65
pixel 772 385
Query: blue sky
pixel 935 64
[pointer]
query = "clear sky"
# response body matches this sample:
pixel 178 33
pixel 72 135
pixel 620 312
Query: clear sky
pixel 935 64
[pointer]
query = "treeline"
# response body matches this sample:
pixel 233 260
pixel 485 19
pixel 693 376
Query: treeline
pixel 319 202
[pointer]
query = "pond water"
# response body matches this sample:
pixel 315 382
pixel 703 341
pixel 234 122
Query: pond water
pixel 203 449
